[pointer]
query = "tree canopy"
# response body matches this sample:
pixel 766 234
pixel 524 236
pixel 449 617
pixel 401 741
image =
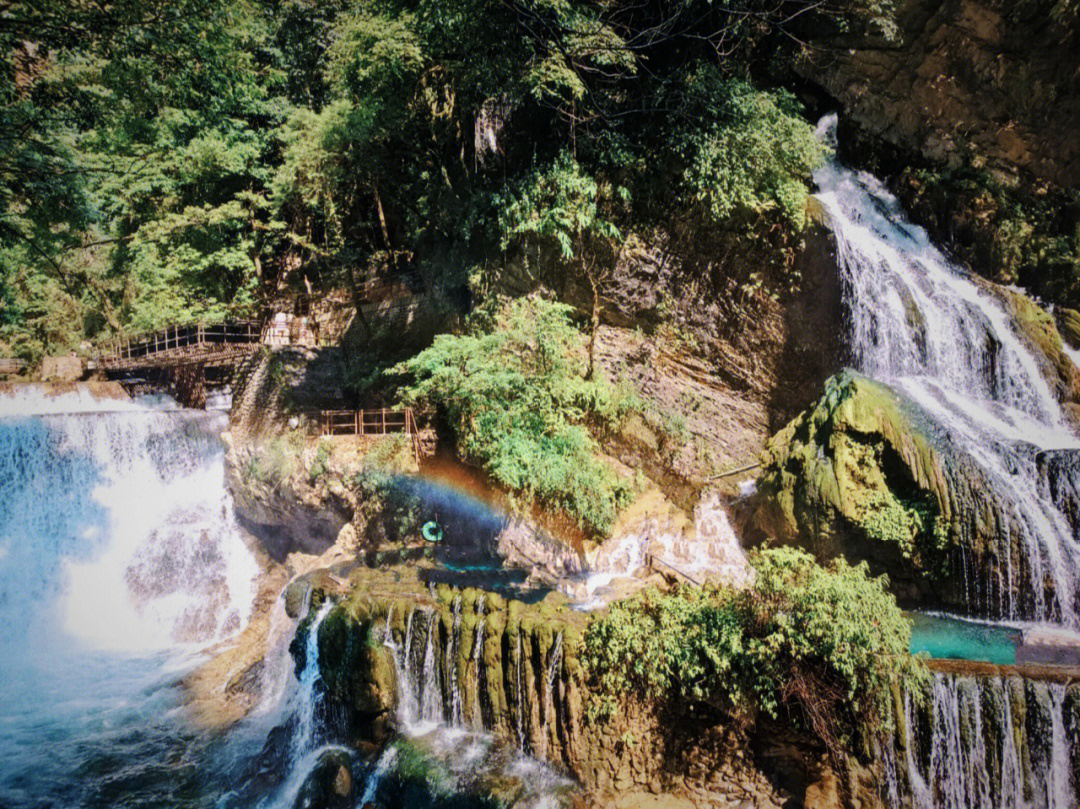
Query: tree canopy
pixel 168 160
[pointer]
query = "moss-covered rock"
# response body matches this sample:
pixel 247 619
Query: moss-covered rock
pixel 514 670
pixel 1038 329
pixel 864 474
pixel 1068 323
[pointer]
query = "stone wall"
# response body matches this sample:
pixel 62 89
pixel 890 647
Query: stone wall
pixel 993 79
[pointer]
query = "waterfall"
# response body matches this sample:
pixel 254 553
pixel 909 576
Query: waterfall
pixel 382 766
pixel 969 748
pixel 309 744
pixel 75 553
pixel 446 713
pixel 431 696
pixel 120 561
pixel 307 695
pixel 711 547
pixel 931 332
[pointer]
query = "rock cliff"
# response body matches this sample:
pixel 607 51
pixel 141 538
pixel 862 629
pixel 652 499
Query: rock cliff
pixel 388 655
pixel 992 78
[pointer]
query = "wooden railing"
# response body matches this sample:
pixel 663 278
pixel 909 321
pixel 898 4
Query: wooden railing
pixel 371 422
pixel 651 562
pixel 11 365
pixel 177 340
pixel 367 422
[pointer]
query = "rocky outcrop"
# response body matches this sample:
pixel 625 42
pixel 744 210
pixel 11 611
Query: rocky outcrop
pixel 865 475
pixel 1068 322
pixel 725 347
pixel 1047 344
pixel 472 658
pixel 275 384
pixel 993 79
pixel 286 511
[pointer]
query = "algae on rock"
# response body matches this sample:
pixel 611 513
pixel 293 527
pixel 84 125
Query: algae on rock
pixel 864 474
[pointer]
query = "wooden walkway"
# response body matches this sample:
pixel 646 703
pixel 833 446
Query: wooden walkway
pixel 371 422
pixel 174 346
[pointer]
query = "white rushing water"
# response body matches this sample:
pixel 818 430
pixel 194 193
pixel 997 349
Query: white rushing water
pixel 709 549
pixel 989 743
pixel 451 724
pixel 923 326
pixel 120 560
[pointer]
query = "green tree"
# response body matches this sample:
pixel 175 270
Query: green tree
pixel 514 391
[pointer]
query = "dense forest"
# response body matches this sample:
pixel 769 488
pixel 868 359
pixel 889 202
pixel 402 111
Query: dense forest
pixel 177 160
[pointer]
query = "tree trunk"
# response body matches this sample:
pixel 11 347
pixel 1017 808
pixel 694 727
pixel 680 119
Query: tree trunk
pixel 594 322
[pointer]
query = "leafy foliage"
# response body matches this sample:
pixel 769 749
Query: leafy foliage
pixel 189 159
pixel 826 646
pixel 752 157
pixel 515 394
pixel 1013 236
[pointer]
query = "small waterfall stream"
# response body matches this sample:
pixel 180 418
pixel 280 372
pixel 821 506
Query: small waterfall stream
pixel 923 326
pixel 444 705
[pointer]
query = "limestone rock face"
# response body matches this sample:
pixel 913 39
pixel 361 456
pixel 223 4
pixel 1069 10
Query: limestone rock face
pixel 681 321
pixel 285 516
pixel 994 78
pixel 61 369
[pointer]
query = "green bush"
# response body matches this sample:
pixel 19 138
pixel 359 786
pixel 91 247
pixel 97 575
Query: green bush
pixel 320 464
pixel 278 459
pixel 826 646
pixel 515 393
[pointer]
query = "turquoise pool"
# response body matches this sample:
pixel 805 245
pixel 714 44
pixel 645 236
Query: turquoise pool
pixel 956 639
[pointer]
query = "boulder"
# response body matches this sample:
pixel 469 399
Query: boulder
pixel 61 369
pixel 864 474
pixel 329 785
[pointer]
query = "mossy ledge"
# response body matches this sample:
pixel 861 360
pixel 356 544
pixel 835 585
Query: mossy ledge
pixel 527 685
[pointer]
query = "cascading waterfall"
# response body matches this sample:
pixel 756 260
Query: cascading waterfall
pixel 307 698
pixel 988 743
pixel 712 547
pixel 923 326
pixel 456 711
pixel 308 742
pixel 431 693
pixel 119 558
pixel 446 710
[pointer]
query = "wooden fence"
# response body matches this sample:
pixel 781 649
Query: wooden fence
pixel 11 365
pixel 371 422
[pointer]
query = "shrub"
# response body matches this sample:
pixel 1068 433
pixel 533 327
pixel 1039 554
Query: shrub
pixel 826 646
pixel 320 464
pixel 515 393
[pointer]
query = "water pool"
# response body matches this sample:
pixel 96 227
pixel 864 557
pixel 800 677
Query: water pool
pixel 951 638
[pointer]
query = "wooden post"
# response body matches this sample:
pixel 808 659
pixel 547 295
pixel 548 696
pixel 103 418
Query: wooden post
pixel 358 422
